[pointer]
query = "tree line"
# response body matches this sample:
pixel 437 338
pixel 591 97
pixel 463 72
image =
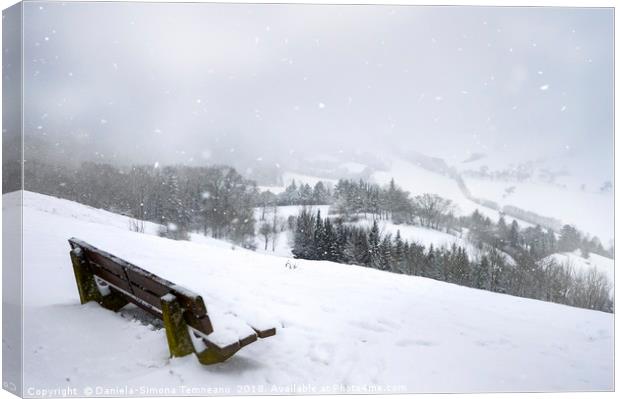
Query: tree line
pixel 215 200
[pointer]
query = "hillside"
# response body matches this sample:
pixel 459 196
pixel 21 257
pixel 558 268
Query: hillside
pixel 590 211
pixel 338 324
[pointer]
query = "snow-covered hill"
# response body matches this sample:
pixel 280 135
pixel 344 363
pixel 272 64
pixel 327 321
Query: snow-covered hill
pixel 579 263
pixel 586 207
pixel 591 211
pixel 340 326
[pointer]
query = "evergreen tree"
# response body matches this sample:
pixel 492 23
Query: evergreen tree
pixel 320 194
pixel 362 251
pixel 513 236
pixel 386 261
pixel 373 246
pixel 305 194
pixel 303 239
pixel 570 239
pixel 480 273
pixel 175 217
pixel 321 246
pixel 398 255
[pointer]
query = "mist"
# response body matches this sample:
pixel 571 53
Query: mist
pixel 219 83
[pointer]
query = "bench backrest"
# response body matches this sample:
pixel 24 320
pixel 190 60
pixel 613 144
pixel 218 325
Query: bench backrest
pixel 143 288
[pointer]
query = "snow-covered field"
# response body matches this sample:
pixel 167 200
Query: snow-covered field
pixel 579 263
pixel 419 234
pixel 591 212
pixel 339 326
pixel 417 180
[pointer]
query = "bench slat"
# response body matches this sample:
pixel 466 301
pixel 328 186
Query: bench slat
pixel 105 263
pixel 192 301
pixel 110 277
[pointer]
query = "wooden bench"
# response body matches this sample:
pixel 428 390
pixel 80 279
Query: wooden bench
pixel 113 283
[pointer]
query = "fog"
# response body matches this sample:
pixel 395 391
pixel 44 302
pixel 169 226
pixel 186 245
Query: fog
pixel 201 83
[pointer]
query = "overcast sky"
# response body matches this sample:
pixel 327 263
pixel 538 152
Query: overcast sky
pixel 178 82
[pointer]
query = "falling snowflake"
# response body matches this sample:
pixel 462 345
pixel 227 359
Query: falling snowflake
pixel 544 87
pixel 321 105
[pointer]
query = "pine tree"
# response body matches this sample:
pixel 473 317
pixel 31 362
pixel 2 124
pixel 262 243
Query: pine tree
pixel 429 265
pixel 303 239
pixel 398 254
pixel 513 236
pixel 320 241
pixel 331 242
pixel 570 239
pixel 362 252
pixel 386 261
pixel 175 217
pixel 373 246
pixel 480 273
pixel 320 195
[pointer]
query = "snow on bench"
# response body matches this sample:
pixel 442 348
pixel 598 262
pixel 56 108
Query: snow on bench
pixel 213 337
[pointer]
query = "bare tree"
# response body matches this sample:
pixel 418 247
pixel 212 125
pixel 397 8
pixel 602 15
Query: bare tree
pixel 266 231
pixel 431 209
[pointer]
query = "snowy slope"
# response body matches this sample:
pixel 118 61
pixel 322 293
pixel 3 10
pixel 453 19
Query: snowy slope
pixel 418 180
pixel 579 263
pixel 419 234
pixel 338 324
pixel 591 212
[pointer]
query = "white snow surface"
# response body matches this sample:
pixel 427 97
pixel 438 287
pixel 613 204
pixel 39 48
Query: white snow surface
pixel 575 260
pixel 419 235
pixel 339 326
pixel 417 180
pixel 592 212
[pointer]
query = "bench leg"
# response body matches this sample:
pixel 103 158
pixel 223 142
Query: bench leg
pixel 212 356
pixel 87 285
pixel 179 341
pixel 85 279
